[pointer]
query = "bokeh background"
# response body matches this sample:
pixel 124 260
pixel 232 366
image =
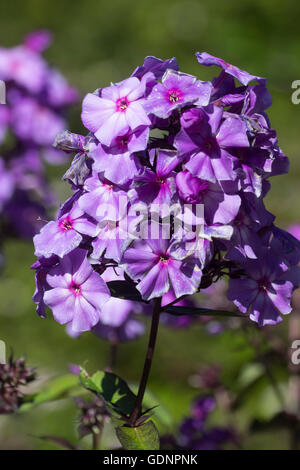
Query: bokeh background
pixel 96 42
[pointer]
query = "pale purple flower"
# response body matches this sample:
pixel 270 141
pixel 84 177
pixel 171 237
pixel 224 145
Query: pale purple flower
pixel 157 267
pixel 23 66
pixel 32 121
pixel 63 235
pixel 103 199
pixel 118 162
pixel 112 239
pixel 118 110
pixel 177 90
pixel 76 293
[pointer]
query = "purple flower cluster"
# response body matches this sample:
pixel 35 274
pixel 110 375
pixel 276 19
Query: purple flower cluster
pixel 169 186
pixel 37 97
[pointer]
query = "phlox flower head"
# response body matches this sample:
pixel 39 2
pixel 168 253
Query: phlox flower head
pixel 168 186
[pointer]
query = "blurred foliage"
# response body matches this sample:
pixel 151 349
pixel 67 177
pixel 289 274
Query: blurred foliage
pixel 96 42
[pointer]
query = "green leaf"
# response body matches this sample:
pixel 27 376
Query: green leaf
pixel 144 437
pixel 55 389
pixel 112 388
pixel 178 311
pixel 124 290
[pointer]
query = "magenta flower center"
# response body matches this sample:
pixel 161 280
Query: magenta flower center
pixel 75 289
pixel 174 96
pixel 66 224
pixel 122 104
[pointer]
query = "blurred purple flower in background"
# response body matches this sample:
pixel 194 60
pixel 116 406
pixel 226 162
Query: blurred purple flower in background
pixel 37 97
pixel 195 433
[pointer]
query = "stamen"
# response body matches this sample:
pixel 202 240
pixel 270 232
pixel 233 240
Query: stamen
pixel 174 96
pixel 122 104
pixel 66 224
pixel 164 258
pixel 75 288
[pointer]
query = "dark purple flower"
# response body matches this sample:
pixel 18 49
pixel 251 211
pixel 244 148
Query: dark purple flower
pixel 155 66
pixel 266 289
pixel 157 186
pixel 244 77
pixel 219 207
pixel 206 143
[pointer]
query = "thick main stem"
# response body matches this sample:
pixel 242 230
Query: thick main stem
pixel 148 361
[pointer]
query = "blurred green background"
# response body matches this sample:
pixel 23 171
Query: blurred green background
pixel 96 42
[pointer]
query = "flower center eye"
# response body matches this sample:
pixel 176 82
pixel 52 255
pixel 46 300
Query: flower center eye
pixel 160 181
pixel 122 104
pixel 164 258
pixel 263 284
pixel 174 96
pixel 66 224
pixel 122 142
pixel 75 288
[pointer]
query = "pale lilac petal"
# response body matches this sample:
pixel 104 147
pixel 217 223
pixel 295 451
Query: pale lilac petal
pixel 182 284
pixel 136 116
pixel 85 315
pixel 95 290
pixel 96 111
pixel 155 283
pixel 233 133
pixel 138 261
pixel 113 126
